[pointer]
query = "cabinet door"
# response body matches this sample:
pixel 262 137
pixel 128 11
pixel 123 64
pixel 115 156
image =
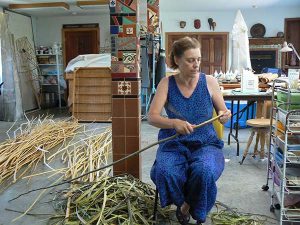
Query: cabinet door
pixel 292 35
pixel 214 52
pixel 213 49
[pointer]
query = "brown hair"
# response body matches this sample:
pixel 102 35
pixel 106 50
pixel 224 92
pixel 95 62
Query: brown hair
pixel 180 46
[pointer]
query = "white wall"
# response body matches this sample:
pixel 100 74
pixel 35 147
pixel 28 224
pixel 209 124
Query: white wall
pixel 272 19
pixel 48 29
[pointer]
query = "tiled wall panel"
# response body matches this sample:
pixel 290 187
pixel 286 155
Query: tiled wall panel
pixel 126 114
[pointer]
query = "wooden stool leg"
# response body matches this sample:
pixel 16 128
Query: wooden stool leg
pixel 248 145
pixel 262 144
pixel 256 143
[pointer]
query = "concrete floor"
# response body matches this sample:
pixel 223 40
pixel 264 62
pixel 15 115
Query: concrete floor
pixel 239 186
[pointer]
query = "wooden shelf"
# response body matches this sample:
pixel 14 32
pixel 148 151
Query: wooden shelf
pixel 266 41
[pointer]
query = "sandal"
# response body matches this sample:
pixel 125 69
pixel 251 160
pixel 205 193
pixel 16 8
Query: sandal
pixel 182 219
pixel 199 222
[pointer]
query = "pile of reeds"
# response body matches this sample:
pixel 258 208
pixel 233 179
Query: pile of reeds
pixel 228 216
pixel 120 199
pixel 21 154
pixel 86 155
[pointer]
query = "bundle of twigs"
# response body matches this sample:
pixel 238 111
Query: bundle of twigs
pixel 112 200
pixel 21 154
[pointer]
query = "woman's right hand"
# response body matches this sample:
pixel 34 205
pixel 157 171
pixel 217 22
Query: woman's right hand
pixel 182 127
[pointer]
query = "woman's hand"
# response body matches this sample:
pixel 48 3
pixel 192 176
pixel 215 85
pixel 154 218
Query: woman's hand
pixel 182 127
pixel 225 117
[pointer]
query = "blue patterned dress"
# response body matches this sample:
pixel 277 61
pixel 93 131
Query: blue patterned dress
pixel 187 167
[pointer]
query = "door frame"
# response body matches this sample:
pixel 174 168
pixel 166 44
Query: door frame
pixel 83 29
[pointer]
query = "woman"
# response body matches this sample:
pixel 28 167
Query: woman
pixel 187 167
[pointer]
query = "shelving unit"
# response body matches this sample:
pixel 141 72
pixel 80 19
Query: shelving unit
pixel 284 152
pixel 51 70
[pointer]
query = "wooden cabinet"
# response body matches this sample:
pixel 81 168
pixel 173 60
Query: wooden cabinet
pixel 292 35
pixel 90 94
pixel 213 49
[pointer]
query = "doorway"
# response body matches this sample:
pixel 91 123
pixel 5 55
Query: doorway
pixel 79 41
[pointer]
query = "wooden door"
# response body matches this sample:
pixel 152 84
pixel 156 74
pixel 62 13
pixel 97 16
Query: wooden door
pixel 292 35
pixel 213 49
pixel 214 52
pixel 79 41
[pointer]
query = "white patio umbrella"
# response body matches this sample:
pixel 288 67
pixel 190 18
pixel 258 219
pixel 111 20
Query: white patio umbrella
pixel 240 45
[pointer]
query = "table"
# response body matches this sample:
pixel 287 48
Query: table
pixel 259 97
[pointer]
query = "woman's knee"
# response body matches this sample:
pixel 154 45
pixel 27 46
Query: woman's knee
pixel 170 172
pixel 202 169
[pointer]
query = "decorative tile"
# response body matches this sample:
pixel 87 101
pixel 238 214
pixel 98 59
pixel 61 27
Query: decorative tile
pixel 114 29
pixel 126 43
pixel 120 55
pixel 112 3
pixel 129 57
pixel 114 55
pixel 135 87
pixel 117 67
pixel 153 15
pixel 129 20
pixel 123 7
pixel 129 68
pixel 120 34
pixel 124 88
pixel 116 20
pixel 129 30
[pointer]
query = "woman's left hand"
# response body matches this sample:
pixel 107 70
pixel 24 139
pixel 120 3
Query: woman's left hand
pixel 225 117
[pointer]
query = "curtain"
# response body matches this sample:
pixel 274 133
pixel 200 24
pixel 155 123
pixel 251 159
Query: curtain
pixel 10 98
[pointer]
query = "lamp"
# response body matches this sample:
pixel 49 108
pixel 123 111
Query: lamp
pixel 288 47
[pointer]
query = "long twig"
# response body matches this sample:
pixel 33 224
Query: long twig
pixel 117 161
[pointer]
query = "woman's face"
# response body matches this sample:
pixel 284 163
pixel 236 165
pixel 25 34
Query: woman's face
pixel 189 63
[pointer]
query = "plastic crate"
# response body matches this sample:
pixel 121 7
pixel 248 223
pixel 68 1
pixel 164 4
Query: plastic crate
pixel 243 118
pixel 282 97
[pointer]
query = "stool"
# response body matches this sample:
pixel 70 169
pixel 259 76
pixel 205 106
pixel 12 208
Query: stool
pixel 261 127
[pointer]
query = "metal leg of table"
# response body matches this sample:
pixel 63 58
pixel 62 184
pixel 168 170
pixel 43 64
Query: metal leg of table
pixel 231 123
pixel 236 127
